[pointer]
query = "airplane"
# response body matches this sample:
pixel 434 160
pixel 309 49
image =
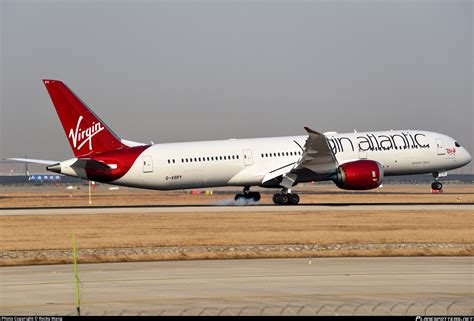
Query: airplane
pixel 353 161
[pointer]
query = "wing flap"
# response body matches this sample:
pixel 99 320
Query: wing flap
pixel 277 172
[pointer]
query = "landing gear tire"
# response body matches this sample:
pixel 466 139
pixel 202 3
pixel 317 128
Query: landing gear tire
pixel 277 199
pixel 293 199
pixel 255 196
pixel 437 186
pixel 239 197
pixel 249 196
pixel 286 199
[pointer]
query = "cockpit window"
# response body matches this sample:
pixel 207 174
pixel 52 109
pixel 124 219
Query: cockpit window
pixel 457 144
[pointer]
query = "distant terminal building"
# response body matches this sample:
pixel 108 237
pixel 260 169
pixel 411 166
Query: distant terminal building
pixel 45 178
pixel 39 179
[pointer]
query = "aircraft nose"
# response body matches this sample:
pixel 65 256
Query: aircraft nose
pixel 467 156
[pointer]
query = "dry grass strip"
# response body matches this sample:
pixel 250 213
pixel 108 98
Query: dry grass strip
pixel 238 255
pixel 239 228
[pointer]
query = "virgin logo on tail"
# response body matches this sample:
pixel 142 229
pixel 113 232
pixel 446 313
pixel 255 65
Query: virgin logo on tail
pixel 81 136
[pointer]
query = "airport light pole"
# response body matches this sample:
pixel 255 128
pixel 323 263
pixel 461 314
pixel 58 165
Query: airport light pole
pixel 76 276
pixel 90 192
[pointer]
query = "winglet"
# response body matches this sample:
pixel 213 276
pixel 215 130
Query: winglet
pixel 311 131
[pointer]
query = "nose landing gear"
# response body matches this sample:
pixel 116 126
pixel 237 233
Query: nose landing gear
pixel 436 186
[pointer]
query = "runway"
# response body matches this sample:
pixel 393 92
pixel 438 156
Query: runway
pixel 149 209
pixel 375 285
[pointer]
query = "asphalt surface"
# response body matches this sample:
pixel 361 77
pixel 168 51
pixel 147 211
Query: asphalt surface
pixel 231 207
pixel 384 285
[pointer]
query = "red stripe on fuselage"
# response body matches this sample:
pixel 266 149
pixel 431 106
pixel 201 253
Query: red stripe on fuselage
pixel 123 160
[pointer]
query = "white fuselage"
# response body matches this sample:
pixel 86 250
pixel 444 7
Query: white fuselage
pixel 245 162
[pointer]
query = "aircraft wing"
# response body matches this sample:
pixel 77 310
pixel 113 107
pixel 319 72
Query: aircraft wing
pixel 36 161
pixel 317 157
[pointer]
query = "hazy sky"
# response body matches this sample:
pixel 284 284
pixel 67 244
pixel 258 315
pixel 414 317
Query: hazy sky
pixel 183 71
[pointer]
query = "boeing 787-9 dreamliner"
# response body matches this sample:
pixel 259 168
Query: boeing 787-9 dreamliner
pixel 353 161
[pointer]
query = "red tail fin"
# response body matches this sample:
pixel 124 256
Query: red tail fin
pixel 86 132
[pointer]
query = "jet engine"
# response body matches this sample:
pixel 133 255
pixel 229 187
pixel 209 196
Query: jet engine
pixel 359 175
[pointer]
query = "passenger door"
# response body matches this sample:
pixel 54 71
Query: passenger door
pixel 147 164
pixel 247 157
pixel 440 146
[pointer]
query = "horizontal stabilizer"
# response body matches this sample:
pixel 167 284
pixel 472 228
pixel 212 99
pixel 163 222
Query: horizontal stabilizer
pixel 35 161
pixel 79 166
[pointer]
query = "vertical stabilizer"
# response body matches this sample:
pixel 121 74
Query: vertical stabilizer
pixel 86 132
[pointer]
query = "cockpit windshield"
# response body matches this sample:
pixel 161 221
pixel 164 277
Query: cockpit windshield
pixel 457 144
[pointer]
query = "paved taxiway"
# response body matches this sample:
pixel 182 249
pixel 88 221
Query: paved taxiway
pixel 150 287
pixel 233 208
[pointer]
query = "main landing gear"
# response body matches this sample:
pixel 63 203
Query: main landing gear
pixel 248 195
pixel 436 186
pixel 286 198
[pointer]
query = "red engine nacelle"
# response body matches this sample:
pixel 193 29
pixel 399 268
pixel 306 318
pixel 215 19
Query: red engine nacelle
pixel 359 175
